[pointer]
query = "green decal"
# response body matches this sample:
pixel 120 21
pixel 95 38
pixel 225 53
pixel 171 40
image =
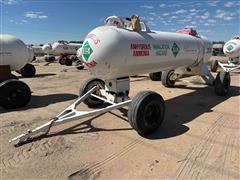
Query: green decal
pixel 161 49
pixel 230 47
pixel 175 49
pixel 87 51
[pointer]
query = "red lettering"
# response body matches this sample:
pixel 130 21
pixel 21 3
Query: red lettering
pixel 140 53
pixel 90 64
pixel 93 37
pixel 140 46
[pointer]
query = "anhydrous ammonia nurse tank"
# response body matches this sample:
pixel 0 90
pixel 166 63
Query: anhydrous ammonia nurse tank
pixel 63 49
pixel 14 52
pixel 14 55
pixel 232 47
pixel 17 55
pixel 113 52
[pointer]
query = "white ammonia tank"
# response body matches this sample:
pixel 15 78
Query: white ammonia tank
pixel 59 48
pixel 112 52
pixel 232 48
pixel 14 52
pixel 37 50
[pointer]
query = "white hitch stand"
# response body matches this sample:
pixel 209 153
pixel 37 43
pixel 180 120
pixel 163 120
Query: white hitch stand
pixel 231 65
pixel 145 112
pixel 71 114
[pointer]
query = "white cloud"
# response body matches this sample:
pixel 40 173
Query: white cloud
pixel 153 13
pixel 35 15
pixel 205 31
pixel 25 21
pixel 152 23
pixel 181 11
pixel 191 26
pixel 193 10
pixel 150 18
pixel 213 3
pixel 162 5
pixel 173 17
pixel 174 5
pixel 9 2
pixel 229 4
pixel 208 24
pixel 211 21
pixel 165 14
pixel 221 14
pixel 147 7
pixel 228 18
pixel 205 15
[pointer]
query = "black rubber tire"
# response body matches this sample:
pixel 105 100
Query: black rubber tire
pixel 146 112
pixel 62 61
pixel 14 94
pixel 68 62
pixel 155 76
pixel 214 66
pixel 222 83
pixel 28 71
pixel 50 59
pixel 80 67
pixel 166 78
pixel 86 86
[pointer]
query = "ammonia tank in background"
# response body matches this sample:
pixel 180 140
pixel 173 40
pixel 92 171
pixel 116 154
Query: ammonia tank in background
pixel 232 47
pixel 14 56
pixel 14 52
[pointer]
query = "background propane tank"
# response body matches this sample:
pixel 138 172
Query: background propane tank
pixel 14 52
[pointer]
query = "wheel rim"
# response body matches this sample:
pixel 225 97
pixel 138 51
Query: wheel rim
pixel 152 113
pixel 14 95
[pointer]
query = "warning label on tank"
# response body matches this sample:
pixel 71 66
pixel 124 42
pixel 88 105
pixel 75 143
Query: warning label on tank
pixel 230 47
pixel 161 49
pixel 86 51
pixel 140 49
pixel 175 49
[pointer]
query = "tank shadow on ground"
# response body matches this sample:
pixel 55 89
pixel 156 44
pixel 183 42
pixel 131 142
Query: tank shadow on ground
pixel 179 110
pixel 185 108
pixel 42 101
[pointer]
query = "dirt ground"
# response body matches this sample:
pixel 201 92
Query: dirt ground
pixel 199 138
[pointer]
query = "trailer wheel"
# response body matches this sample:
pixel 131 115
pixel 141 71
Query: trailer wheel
pixel 14 94
pixel 80 67
pixel 86 86
pixel 68 62
pixel 222 83
pixel 214 66
pixel 28 70
pixel 166 78
pixel 62 61
pixel 146 112
pixel 50 58
pixel 155 76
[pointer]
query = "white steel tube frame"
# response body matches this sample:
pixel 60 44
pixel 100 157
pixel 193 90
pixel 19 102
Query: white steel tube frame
pixel 71 114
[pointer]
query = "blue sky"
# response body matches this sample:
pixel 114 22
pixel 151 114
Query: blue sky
pixel 42 21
